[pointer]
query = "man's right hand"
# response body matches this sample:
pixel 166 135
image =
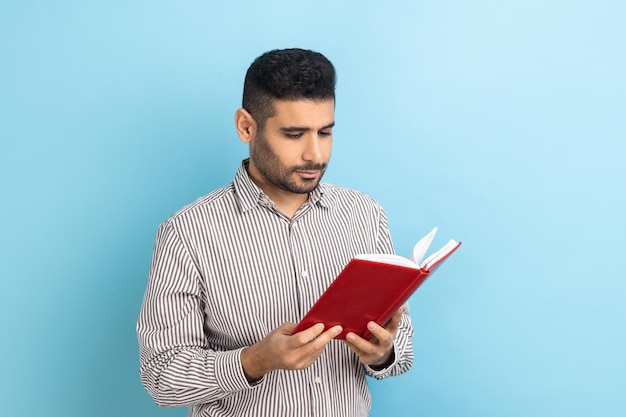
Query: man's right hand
pixel 282 350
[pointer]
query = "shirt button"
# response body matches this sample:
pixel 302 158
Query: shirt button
pixel 304 274
pixel 318 380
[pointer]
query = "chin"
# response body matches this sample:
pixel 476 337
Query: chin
pixel 304 188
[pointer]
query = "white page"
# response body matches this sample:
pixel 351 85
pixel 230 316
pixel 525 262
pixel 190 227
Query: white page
pixel 422 246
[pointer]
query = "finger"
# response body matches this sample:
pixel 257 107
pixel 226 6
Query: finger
pixel 329 334
pixel 383 335
pixel 311 350
pixel 317 334
pixel 359 345
pixel 369 352
pixel 318 343
pixel 307 335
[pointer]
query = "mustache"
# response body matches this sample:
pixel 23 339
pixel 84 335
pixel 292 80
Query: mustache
pixel 310 167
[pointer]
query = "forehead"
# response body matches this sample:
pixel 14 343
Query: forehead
pixel 305 113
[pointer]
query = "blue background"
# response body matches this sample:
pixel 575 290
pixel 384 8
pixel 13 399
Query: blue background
pixel 501 122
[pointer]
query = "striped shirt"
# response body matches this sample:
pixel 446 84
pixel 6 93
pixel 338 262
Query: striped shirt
pixel 228 269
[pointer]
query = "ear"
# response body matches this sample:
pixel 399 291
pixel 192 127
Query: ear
pixel 245 125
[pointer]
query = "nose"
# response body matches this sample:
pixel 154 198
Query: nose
pixel 313 150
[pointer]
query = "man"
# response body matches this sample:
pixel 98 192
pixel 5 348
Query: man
pixel 233 272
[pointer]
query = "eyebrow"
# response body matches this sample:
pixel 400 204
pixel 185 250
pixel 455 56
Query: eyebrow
pixel 297 129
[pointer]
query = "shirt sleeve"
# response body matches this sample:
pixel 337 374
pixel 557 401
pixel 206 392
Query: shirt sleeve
pixel 403 347
pixel 177 367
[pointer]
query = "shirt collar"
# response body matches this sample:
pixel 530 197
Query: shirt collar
pixel 250 195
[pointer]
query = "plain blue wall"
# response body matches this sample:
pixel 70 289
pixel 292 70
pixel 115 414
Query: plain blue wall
pixel 501 122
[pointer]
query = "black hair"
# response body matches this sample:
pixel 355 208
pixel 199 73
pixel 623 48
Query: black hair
pixel 286 74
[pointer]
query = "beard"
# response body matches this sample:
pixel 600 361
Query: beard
pixel 280 175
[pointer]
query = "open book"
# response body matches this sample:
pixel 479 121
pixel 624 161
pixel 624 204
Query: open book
pixel 373 287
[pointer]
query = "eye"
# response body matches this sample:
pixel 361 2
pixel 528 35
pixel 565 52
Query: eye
pixel 325 132
pixel 293 135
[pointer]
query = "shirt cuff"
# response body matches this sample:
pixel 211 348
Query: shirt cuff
pixel 229 372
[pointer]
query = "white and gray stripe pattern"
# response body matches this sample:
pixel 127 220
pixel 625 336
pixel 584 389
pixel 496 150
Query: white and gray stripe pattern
pixel 230 268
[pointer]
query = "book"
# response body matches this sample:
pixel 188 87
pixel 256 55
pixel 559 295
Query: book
pixel 372 287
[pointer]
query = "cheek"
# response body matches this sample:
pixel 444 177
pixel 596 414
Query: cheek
pixel 327 148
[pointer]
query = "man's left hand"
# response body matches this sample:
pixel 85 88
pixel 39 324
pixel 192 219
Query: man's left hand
pixel 378 350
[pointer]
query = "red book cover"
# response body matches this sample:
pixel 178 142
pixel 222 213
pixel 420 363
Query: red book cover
pixel 372 288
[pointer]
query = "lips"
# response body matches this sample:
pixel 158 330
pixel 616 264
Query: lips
pixel 309 174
